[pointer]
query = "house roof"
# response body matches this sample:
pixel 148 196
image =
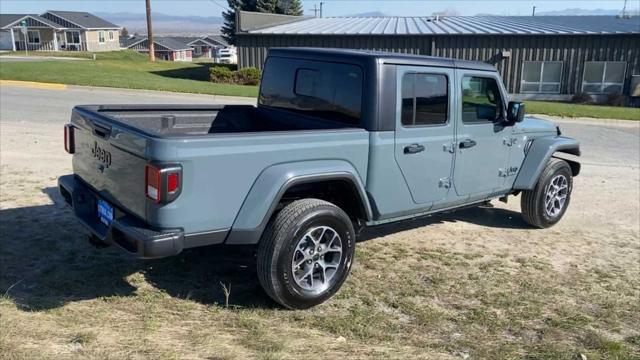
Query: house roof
pixel 126 41
pixel 455 25
pixel 84 19
pixel 171 43
pixel 9 20
pixel 212 40
pixel 216 39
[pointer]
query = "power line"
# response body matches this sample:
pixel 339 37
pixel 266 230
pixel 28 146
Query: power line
pixel 219 5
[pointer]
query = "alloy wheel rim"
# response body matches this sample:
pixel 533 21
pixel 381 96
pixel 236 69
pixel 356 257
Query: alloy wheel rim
pixel 316 258
pixel 556 196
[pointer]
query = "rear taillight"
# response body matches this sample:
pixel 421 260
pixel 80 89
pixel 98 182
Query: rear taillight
pixel 173 182
pixel 163 182
pixel 69 141
pixel 153 183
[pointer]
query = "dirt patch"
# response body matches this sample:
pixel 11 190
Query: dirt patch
pixel 476 283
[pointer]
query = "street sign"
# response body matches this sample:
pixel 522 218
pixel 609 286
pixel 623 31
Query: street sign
pixel 23 29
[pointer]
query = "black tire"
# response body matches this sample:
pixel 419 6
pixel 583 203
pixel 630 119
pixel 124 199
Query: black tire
pixel 533 201
pixel 279 245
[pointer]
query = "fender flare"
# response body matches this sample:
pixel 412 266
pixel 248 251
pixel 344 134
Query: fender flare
pixel 273 182
pixel 538 155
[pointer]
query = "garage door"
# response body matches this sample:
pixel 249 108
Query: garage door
pixel 5 40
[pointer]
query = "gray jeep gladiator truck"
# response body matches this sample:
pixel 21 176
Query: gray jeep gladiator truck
pixel 339 140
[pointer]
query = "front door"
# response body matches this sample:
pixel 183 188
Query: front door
pixel 425 131
pixel 481 137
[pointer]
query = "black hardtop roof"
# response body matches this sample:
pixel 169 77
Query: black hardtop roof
pixel 381 56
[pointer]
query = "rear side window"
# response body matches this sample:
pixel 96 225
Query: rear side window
pixel 321 89
pixel 481 101
pixel 425 99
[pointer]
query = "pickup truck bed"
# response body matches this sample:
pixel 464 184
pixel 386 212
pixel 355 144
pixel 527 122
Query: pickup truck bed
pixel 189 120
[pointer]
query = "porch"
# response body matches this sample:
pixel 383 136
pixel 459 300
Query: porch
pixel 43 39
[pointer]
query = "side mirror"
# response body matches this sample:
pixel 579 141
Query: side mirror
pixel 515 112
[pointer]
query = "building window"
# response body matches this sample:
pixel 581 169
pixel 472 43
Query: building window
pixel 33 36
pixel 101 36
pixel 481 100
pixel 73 37
pixel 541 77
pixel 110 35
pixel 424 99
pixel 603 77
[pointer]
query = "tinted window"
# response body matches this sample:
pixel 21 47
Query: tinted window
pixel 603 77
pixel 481 101
pixel 541 77
pixel 424 99
pixel 321 89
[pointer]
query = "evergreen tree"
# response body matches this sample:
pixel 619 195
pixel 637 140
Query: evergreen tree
pixel 124 32
pixel 268 6
pixel 229 28
pixel 294 7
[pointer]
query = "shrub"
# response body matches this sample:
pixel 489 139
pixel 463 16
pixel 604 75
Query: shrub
pixel 220 74
pixel 248 76
pixel 232 67
pixel 223 74
pixel 615 100
pixel 581 98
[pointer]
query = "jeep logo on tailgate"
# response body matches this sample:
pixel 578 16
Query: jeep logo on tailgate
pixel 101 154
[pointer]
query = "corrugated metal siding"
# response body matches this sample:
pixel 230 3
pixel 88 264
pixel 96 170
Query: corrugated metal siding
pixel 445 25
pixel 252 49
pixel 572 50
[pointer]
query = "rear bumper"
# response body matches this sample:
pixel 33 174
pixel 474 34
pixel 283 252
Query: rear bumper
pixel 125 231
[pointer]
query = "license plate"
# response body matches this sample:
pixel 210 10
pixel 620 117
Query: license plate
pixel 105 212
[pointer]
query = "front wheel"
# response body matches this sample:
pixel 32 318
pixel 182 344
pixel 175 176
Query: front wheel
pixel 545 205
pixel 305 254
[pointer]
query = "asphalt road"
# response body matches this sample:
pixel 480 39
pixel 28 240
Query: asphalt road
pixel 33 104
pixel 604 143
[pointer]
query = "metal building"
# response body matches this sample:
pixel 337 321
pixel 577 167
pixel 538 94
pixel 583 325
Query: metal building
pixel 544 57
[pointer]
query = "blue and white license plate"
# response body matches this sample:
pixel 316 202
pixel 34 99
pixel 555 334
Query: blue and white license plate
pixel 105 212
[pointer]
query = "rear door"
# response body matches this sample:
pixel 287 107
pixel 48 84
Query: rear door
pixel 482 138
pixel 425 131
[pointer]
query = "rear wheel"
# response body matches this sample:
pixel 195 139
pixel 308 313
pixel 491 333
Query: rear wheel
pixel 545 205
pixel 305 254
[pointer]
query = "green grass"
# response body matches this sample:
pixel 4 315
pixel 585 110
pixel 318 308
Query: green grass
pixel 125 69
pixel 577 110
pixel 71 54
pixel 132 70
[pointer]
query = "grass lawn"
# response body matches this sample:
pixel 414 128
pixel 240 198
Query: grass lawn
pixel 124 69
pixel 577 110
pixel 128 69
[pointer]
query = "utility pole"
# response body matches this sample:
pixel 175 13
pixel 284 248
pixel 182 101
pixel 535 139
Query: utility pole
pixel 534 11
pixel 152 50
pixel 321 3
pixel 315 10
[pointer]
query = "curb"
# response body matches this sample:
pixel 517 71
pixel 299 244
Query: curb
pixel 33 84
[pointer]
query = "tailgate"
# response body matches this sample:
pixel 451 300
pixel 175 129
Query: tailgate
pixel 111 160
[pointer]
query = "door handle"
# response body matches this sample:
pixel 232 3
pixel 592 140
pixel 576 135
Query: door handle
pixel 468 143
pixel 413 149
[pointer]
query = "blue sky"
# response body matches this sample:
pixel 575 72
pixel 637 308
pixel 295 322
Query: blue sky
pixel 331 7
